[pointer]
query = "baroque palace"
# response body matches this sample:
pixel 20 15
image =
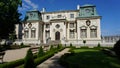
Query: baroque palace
pixel 65 27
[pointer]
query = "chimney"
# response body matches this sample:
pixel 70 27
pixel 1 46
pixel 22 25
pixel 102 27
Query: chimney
pixel 43 10
pixel 78 7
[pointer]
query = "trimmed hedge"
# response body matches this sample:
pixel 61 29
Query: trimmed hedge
pixel 20 63
pixel 12 64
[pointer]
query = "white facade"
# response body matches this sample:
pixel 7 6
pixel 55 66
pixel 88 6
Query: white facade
pixel 63 27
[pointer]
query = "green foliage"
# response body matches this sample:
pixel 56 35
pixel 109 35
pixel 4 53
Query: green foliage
pixel 89 58
pixel 51 47
pixel 84 41
pixel 9 16
pixel 43 58
pixel 59 46
pixel 98 45
pixel 71 45
pixel 116 48
pixel 41 52
pixel 29 60
pixel 12 64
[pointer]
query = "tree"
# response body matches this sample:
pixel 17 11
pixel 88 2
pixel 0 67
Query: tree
pixel 116 48
pixel 29 60
pixel 41 52
pixel 9 16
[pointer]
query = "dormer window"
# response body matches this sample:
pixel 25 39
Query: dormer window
pixel 31 14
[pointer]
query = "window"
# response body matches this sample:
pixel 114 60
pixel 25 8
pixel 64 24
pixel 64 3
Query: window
pixel 59 16
pixel 83 33
pixel 26 34
pixel 33 33
pixel 93 33
pixel 71 25
pixel 72 34
pixel 47 34
pixel 47 26
pixel 47 17
pixel 71 15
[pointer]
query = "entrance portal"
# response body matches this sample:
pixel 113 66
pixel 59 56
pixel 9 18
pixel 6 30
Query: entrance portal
pixel 57 35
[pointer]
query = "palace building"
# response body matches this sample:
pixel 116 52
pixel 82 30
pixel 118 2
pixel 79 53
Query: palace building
pixel 65 27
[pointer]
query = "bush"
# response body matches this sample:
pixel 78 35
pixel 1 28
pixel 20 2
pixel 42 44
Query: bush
pixel 116 48
pixel 41 52
pixel 98 45
pixel 71 45
pixel 29 60
pixel 59 46
pixel 12 64
pixel 51 47
pixel 84 41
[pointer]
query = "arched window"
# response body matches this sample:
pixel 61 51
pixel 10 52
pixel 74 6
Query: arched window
pixel 93 31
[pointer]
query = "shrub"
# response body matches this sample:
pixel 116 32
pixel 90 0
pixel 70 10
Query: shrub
pixel 12 64
pixel 41 52
pixel 51 47
pixel 59 46
pixel 84 41
pixel 98 45
pixel 71 45
pixel 29 60
pixel 116 48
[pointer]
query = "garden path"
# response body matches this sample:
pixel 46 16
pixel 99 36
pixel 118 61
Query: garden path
pixel 11 55
pixel 53 61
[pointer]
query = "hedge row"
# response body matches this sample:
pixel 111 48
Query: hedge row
pixel 37 61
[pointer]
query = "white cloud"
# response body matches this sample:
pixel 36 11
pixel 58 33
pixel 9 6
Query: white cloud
pixel 33 5
pixel 24 7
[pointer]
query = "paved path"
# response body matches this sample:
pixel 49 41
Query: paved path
pixel 52 62
pixel 11 55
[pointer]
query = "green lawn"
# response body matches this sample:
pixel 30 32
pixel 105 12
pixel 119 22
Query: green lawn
pixel 91 58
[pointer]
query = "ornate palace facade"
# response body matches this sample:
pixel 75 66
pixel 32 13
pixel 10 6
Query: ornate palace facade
pixel 69 26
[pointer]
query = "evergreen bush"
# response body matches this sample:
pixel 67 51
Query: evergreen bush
pixel 116 48
pixel 51 47
pixel 98 45
pixel 29 60
pixel 41 52
pixel 71 45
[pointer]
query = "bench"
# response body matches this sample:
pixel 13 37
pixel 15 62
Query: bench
pixel 1 56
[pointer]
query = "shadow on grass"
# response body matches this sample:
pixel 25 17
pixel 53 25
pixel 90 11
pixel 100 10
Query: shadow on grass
pixel 90 59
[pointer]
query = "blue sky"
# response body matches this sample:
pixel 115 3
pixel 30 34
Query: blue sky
pixel 108 9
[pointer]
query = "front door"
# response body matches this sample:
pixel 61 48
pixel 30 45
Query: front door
pixel 57 35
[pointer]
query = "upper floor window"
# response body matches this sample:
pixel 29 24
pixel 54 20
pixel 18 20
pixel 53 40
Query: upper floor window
pixel 59 16
pixel 47 17
pixel 71 15
pixel 71 25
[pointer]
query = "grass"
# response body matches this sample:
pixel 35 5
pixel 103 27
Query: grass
pixel 91 58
